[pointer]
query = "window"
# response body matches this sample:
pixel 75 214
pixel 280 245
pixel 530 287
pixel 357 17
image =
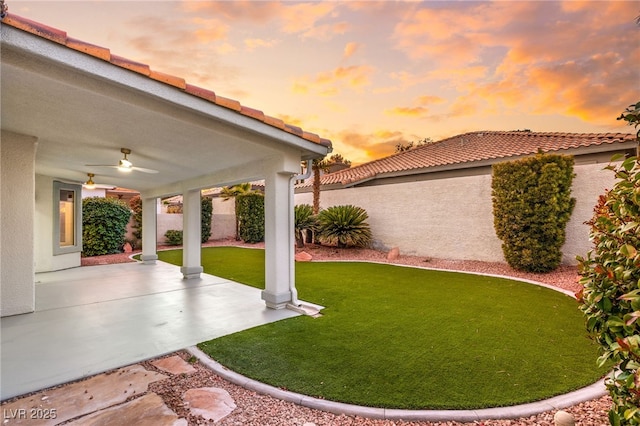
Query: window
pixel 67 218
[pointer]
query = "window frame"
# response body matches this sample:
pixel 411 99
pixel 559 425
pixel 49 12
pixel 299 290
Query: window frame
pixel 77 213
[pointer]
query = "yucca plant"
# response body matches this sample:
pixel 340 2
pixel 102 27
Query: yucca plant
pixel 304 220
pixel 344 226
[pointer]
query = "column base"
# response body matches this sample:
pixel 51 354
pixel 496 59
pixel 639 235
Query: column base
pixel 276 301
pixel 190 272
pixel 149 259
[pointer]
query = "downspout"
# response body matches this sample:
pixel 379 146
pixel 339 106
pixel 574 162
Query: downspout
pixel 296 304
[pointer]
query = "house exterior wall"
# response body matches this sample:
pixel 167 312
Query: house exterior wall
pixel 452 218
pixel 17 188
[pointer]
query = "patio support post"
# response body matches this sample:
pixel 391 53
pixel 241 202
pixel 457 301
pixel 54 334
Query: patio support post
pixel 149 232
pixel 191 235
pixel 279 249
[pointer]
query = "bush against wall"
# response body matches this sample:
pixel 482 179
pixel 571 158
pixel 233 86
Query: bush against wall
pixel 250 214
pixel 532 205
pixel 206 213
pixel 173 237
pixel 104 225
pixel 344 226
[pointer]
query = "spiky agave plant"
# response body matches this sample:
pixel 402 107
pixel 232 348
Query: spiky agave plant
pixel 344 226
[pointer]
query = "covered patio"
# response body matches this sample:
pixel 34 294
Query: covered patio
pixel 96 318
pixel 71 110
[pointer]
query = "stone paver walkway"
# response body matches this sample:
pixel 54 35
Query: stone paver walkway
pixel 118 397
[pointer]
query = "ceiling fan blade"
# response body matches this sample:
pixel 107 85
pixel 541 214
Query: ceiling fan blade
pixel 143 170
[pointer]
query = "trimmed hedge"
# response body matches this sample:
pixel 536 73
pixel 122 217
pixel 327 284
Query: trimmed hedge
pixel 104 225
pixel 250 214
pixel 206 212
pixel 531 206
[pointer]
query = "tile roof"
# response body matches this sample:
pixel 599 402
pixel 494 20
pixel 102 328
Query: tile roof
pixel 468 148
pixel 60 37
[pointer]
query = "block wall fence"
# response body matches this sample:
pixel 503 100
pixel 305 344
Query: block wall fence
pixel 452 217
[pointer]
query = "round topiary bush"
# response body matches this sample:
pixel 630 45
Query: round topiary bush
pixel 104 225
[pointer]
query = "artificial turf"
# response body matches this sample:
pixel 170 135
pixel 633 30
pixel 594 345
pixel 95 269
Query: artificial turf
pixel 409 338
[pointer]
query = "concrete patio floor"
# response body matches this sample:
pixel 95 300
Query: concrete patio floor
pixel 96 318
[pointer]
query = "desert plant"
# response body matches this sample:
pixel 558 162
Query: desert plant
pixel 173 237
pixel 304 220
pixel 250 214
pixel 532 205
pixel 104 225
pixel 610 295
pixel 344 226
pixel 206 212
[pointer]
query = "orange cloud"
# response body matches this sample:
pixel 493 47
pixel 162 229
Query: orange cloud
pixel 407 111
pixel 329 82
pixel 350 49
pixel 254 43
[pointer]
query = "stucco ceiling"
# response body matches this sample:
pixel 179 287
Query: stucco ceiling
pixel 86 112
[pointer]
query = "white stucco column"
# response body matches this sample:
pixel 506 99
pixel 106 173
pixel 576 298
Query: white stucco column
pixel 279 249
pixel 149 233
pixel 17 217
pixel 191 235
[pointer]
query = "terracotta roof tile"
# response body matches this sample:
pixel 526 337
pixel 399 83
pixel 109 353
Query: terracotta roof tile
pixel 178 82
pixel 468 148
pixel 228 103
pixel 104 54
pixel 91 49
pixel 134 66
pixel 36 28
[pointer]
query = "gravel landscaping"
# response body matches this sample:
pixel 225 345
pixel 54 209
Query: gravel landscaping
pixel 256 409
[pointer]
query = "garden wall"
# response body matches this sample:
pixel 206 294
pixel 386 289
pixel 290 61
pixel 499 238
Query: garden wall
pixel 223 224
pixel 451 217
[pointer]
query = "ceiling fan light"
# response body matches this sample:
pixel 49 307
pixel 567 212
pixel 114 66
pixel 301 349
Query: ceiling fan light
pixel 125 165
pixel 90 184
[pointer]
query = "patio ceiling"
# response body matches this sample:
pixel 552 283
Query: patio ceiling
pixel 83 110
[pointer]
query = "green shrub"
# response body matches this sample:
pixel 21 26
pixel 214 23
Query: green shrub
pixel 531 206
pixel 104 225
pixel 250 214
pixel 344 226
pixel 173 237
pixel 610 297
pixel 304 220
pixel 206 212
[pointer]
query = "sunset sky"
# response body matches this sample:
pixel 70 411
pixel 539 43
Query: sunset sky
pixel 368 75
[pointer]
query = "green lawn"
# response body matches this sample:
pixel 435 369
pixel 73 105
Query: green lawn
pixel 408 338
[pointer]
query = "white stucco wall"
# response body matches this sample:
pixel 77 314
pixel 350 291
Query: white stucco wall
pixel 452 218
pixel 45 261
pixel 17 186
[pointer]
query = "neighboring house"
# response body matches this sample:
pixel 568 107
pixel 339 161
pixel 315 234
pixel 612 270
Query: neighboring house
pixel 435 200
pixel 68 104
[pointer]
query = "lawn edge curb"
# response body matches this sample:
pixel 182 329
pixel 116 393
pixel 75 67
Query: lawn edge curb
pixel 587 393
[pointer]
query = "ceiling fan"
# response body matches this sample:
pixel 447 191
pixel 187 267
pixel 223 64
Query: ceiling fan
pixel 90 184
pixel 124 165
